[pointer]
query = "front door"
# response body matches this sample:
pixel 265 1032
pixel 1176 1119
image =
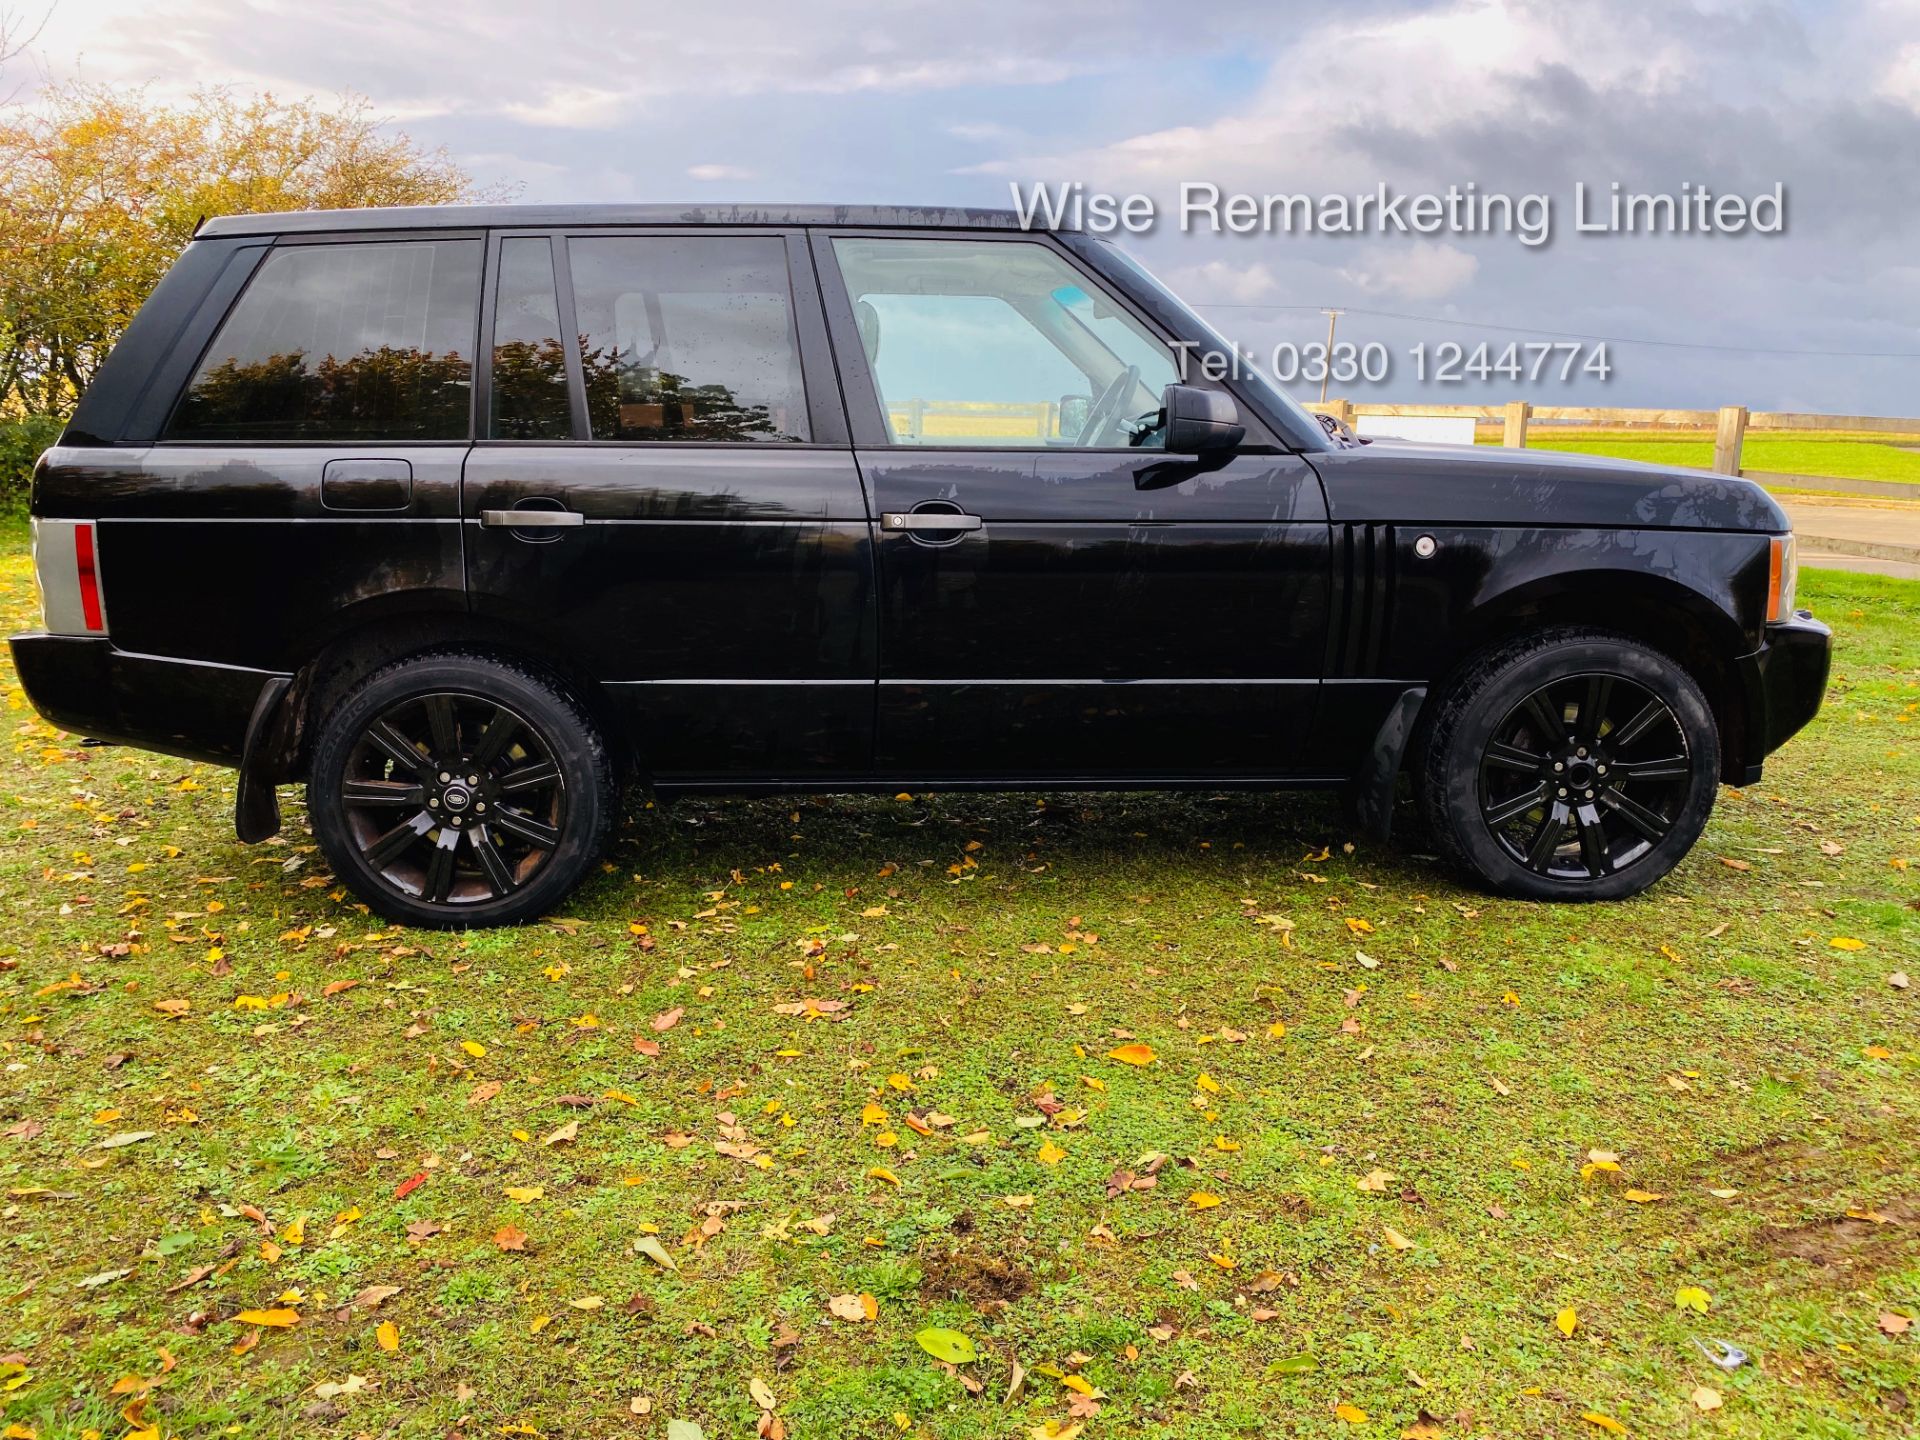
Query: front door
pixel 669 500
pixel 1060 599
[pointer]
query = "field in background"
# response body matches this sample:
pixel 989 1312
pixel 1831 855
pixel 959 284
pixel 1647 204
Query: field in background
pixel 1854 455
pixel 792 1083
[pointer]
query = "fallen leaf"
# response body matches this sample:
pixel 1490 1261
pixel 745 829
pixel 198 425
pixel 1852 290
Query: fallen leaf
pixel 1135 1054
pixel 1396 1239
pixel 564 1135
pixel 474 1048
pixel 650 1247
pixel 1567 1321
pixel 510 1237
pixel 763 1395
pixel 1375 1181
pixel 948 1345
pixel 1644 1197
pixel 667 1019
pixel 1352 1414
pixel 1705 1397
pixel 277 1319
pixel 853 1307
pixel 125 1137
pixel 1203 1200
pixel 387 1336
pixel 1605 1422
pixel 1692 1297
pixel 1895 1324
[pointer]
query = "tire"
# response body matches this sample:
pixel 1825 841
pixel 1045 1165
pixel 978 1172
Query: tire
pixel 523 811
pixel 1638 757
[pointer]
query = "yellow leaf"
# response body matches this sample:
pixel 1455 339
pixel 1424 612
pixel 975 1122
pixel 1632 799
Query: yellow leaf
pixel 1352 1414
pixel 1203 1200
pixel 1092 1083
pixel 525 1194
pixel 1705 1397
pixel 1877 1052
pixel 1605 1422
pixel 651 1248
pixel 474 1048
pixel 1396 1239
pixel 1692 1297
pixel 1051 1154
pixel 281 1319
pixel 1847 942
pixel 1644 1197
pixel 1223 1144
pixel 295 1233
pixel 538 1323
pixel 1278 1030
pixel 1206 1082
pixel 880 1172
pixel 873 1115
pixel 387 1335
pixel 1135 1054
pixel 1566 1321
pixel 587 1302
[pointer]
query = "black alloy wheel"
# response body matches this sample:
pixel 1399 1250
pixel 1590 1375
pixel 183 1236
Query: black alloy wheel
pixel 458 790
pixel 1569 764
pixel 1584 777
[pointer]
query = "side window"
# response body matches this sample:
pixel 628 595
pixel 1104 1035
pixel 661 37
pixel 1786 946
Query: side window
pixel 529 362
pixel 1000 343
pixel 688 338
pixel 344 342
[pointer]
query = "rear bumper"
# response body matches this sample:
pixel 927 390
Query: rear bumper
pixel 188 708
pixel 1783 682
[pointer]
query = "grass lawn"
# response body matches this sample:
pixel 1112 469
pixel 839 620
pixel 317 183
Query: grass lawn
pixel 600 1176
pixel 1791 452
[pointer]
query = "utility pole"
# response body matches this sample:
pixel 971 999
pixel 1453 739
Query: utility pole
pixel 1333 317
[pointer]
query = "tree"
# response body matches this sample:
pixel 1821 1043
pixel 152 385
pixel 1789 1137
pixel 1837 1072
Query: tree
pixel 100 191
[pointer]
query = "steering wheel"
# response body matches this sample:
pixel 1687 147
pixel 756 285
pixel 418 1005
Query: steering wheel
pixel 1107 407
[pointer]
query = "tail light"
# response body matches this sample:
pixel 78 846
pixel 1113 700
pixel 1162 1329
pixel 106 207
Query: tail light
pixel 1783 571
pixel 66 563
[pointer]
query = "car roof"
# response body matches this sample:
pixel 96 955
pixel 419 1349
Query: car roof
pixel 476 217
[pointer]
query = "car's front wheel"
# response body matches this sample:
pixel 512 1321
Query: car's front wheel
pixel 1570 764
pixel 455 790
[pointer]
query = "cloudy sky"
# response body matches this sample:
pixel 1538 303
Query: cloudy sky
pixel 914 101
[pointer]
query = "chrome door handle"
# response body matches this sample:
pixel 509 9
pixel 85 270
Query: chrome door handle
pixel 531 519
pixel 928 520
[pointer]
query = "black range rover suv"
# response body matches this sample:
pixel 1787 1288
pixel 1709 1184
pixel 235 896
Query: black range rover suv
pixel 465 516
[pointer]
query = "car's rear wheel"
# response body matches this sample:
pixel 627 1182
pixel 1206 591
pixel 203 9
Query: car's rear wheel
pixel 1570 765
pixel 456 790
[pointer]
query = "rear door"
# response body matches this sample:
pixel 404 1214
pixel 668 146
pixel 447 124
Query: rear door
pixel 663 491
pixel 307 479
pixel 1060 599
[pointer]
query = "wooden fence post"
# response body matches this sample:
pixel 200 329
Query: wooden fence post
pixel 1728 435
pixel 1518 413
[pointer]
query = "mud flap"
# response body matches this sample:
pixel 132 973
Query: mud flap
pixel 1369 794
pixel 256 803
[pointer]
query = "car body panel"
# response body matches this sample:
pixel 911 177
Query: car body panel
pixel 744 619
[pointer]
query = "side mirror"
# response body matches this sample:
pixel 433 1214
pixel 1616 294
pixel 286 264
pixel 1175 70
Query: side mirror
pixel 1073 415
pixel 1198 421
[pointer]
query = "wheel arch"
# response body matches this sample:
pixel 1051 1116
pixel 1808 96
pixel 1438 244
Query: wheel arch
pixel 366 640
pixel 1685 624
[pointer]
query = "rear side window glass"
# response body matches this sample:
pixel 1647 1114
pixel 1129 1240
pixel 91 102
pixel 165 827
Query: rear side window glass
pixel 343 342
pixel 688 338
pixel 529 362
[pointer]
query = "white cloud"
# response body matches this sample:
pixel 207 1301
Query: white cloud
pixel 721 172
pixel 1221 282
pixel 574 107
pixel 1900 80
pixel 1420 270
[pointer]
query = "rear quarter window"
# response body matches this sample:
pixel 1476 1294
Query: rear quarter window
pixel 344 342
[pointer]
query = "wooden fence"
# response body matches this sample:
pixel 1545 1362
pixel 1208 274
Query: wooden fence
pixel 1730 424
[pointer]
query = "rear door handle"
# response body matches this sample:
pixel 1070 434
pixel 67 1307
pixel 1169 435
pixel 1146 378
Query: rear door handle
pixel 531 519
pixel 928 520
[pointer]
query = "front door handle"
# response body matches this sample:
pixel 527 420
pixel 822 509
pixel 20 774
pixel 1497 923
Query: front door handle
pixel 929 520
pixel 531 519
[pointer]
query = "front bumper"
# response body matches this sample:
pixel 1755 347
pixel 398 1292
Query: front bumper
pixel 1782 683
pixel 190 708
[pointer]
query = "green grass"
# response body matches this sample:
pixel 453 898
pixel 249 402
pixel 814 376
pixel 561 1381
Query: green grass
pixel 991 952
pixel 1878 457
